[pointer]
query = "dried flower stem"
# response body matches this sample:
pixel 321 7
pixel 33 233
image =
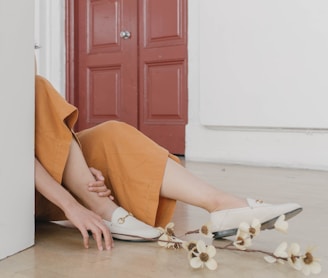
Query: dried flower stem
pixel 192 232
pixel 232 248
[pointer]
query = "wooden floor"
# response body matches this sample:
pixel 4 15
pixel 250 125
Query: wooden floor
pixel 58 251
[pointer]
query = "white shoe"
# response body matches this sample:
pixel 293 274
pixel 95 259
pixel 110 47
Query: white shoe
pixel 226 222
pixel 125 226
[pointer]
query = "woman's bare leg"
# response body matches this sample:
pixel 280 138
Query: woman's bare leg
pixel 76 178
pixel 180 184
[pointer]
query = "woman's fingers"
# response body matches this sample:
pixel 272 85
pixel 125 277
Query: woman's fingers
pixel 86 220
pixel 109 243
pixel 101 189
pixel 99 232
pixel 85 237
pixel 97 237
pixel 99 185
pixel 97 174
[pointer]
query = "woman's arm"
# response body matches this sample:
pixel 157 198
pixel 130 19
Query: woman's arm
pixel 80 216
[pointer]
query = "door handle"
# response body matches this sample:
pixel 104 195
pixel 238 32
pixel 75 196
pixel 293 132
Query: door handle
pixel 125 35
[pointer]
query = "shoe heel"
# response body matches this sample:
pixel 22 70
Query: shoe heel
pixel 226 233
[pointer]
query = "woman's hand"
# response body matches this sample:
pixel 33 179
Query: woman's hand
pixel 99 185
pixel 82 218
pixel 86 220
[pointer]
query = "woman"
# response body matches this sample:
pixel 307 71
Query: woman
pixel 143 179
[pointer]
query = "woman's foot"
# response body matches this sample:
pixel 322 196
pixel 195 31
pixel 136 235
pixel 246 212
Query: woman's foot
pixel 125 226
pixel 226 222
pixel 224 201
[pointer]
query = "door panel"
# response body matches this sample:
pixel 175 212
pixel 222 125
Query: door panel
pixel 163 22
pixel 163 72
pixel 107 64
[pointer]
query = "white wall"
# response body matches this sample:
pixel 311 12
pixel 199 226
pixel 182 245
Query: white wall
pixel 263 65
pixel 258 82
pixel 17 126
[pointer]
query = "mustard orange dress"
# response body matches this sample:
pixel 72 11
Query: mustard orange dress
pixel 133 165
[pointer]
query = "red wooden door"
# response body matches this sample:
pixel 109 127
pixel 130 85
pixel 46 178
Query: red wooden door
pixel 139 78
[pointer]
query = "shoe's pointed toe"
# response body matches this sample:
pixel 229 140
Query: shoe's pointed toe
pixel 226 222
